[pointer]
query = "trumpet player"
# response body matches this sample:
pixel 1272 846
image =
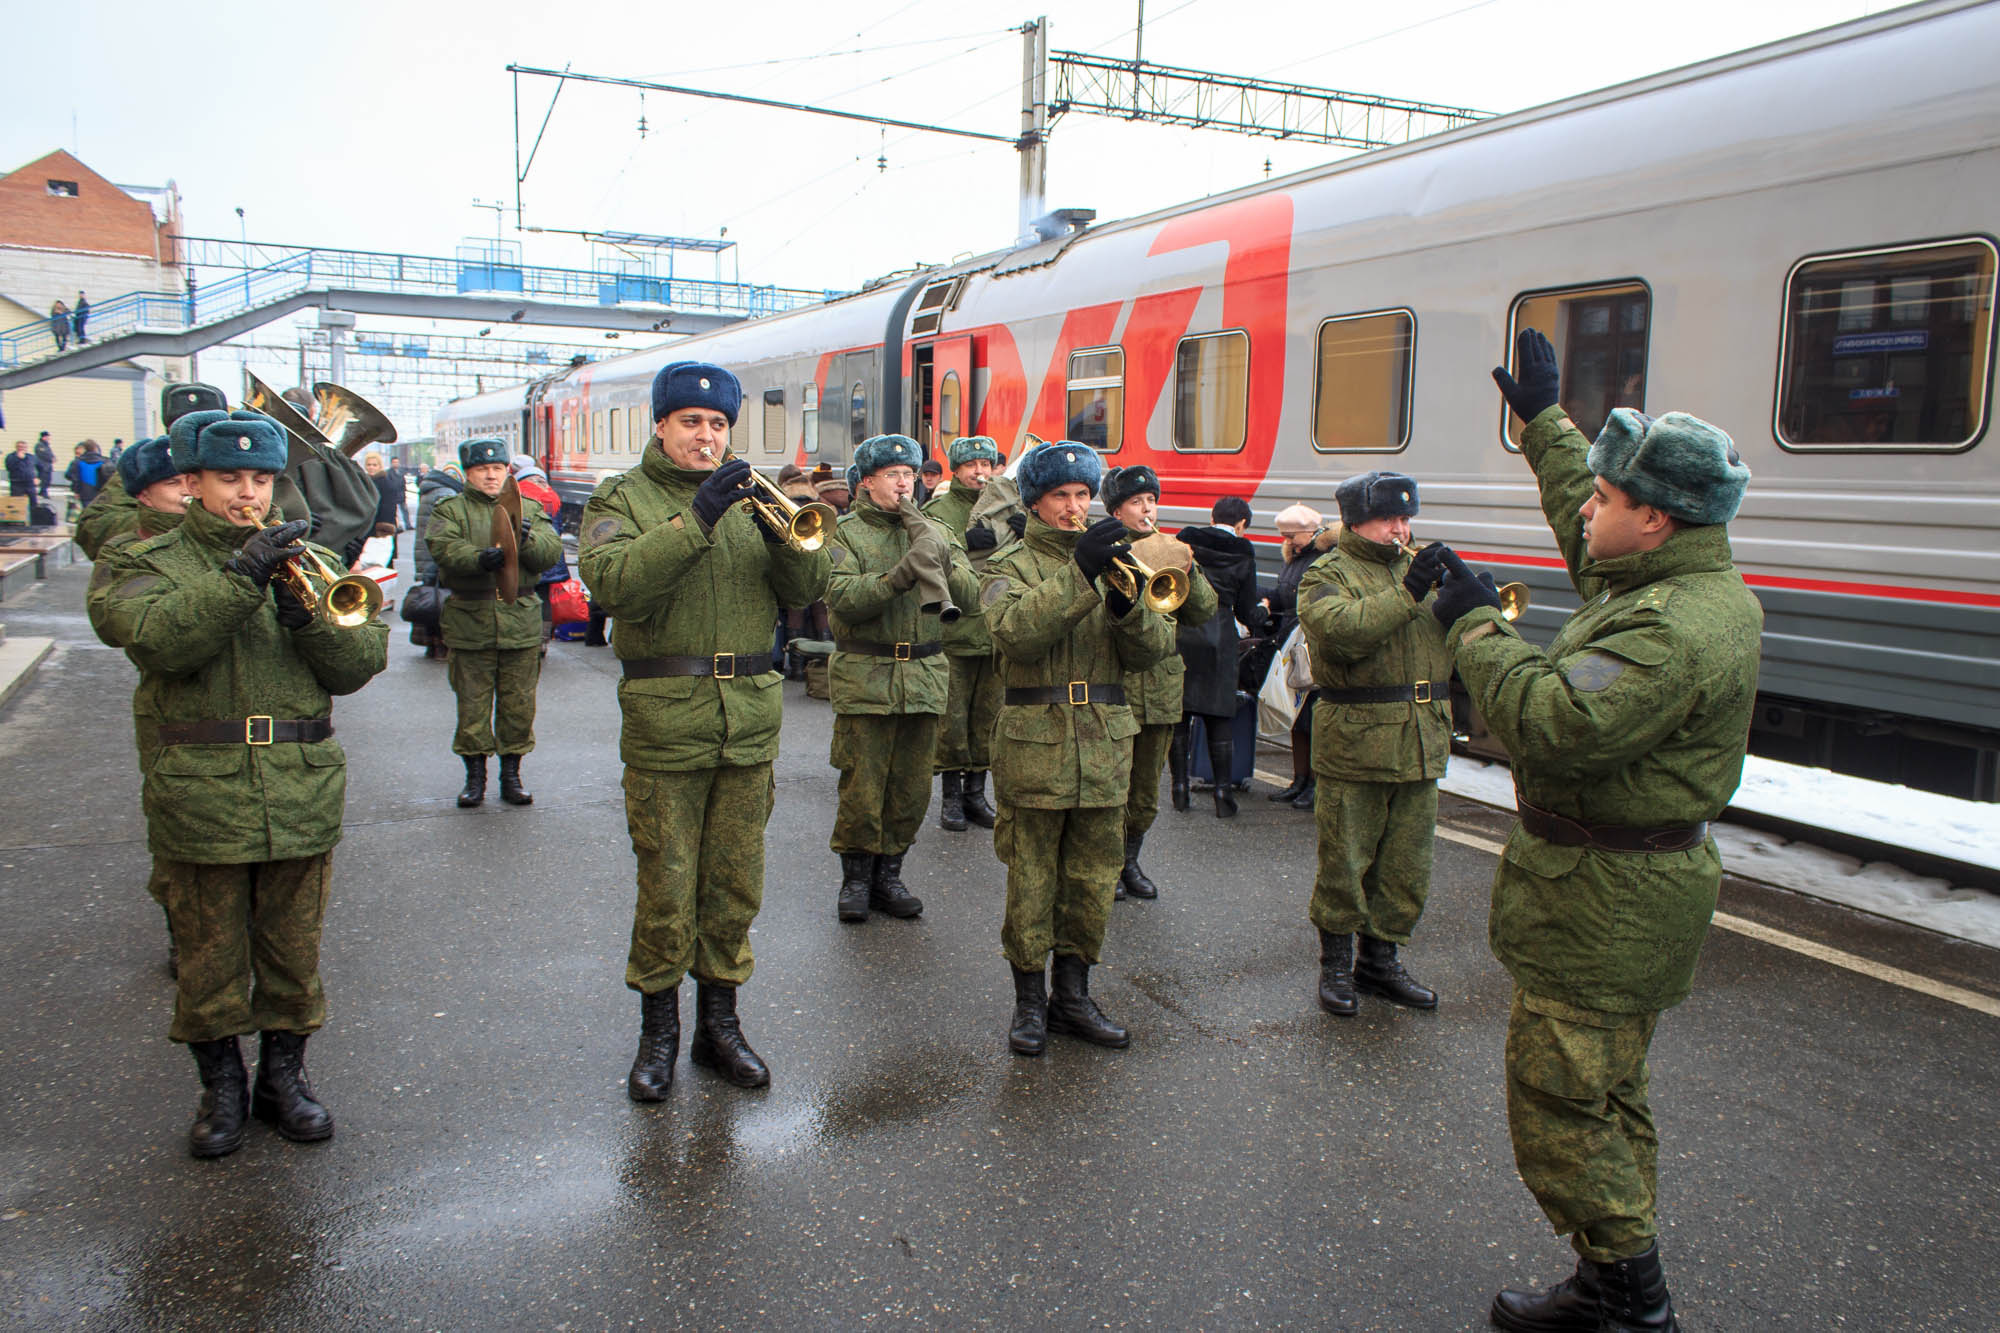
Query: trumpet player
pixel 897 579
pixel 495 646
pixel 244 797
pixel 965 736
pixel 1381 735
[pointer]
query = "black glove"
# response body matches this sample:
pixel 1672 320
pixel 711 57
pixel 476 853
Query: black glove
pixel 292 612
pixel 1018 524
pixel 492 558
pixel 527 530
pixel 1462 592
pixel 1535 391
pixel 1425 570
pixel 1099 542
pixel 727 485
pixel 980 538
pixel 266 549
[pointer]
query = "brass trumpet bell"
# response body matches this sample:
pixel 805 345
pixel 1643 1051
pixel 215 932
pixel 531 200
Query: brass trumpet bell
pixel 342 600
pixel 1513 596
pixel 803 526
pixel 1161 590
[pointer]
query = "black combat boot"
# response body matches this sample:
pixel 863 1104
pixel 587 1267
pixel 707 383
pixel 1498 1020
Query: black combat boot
pixel 1336 974
pixel 474 792
pixel 977 808
pixel 1308 797
pixel 652 1076
pixel 1030 1030
pixel 888 893
pixel 511 790
pixel 951 809
pixel 857 877
pixel 173 951
pixel 1380 973
pixel 225 1098
pixel 283 1096
pixel 1299 781
pixel 1073 1013
pixel 1222 762
pixel 1570 1306
pixel 1132 879
pixel 1177 764
pixel 718 1038
pixel 1632 1295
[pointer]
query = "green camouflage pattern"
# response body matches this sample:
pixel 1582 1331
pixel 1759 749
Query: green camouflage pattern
pixel 496 698
pixel 110 513
pixel 1375 841
pixel 1149 757
pixel 248 935
pixel 1154 694
pixel 885 779
pixel 998 502
pixel 1062 870
pixel 110 561
pixel 1638 714
pixel 699 838
pixel 1363 628
pixel 673 589
pixel 209 647
pixel 1584 1139
pixel 862 603
pixel 965 734
pixel 460 528
pixel 967 636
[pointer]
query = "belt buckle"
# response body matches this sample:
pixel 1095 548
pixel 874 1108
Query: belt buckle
pixel 716 666
pixel 1079 692
pixel 902 651
pixel 1422 692
pixel 251 730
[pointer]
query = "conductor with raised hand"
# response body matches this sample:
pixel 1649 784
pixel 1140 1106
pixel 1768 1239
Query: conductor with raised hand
pixel 1627 736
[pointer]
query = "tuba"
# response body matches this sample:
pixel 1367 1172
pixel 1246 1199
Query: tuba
pixel 349 422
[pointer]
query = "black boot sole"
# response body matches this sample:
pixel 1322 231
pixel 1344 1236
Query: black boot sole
pixel 1029 1049
pixel 266 1112
pixel 703 1052
pixel 1349 1010
pixel 851 916
pixel 1367 987
pixel 951 825
pixel 212 1149
pixel 902 911
pixel 472 803
pixel 523 799
pixel 647 1093
pixel 1091 1036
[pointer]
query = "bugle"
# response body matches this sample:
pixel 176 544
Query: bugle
pixel 1161 590
pixel 345 600
pixel 1513 596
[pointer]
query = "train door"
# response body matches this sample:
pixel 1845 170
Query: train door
pixel 851 405
pixel 946 405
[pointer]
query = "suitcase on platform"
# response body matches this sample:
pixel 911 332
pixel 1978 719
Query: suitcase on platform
pixel 1243 732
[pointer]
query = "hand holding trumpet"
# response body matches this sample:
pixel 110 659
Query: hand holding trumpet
pixel 1461 591
pixel 268 550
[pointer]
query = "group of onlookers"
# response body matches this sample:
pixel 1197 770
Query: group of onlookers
pixel 65 320
pixel 30 472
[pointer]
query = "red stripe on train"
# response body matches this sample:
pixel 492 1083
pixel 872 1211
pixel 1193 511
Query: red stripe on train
pixel 1892 590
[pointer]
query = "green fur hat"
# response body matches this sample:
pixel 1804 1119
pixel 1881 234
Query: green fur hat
pixel 145 464
pixel 880 451
pixel 971 448
pixel 1058 463
pixel 177 400
pixel 1675 462
pixel 225 442
pixel 485 449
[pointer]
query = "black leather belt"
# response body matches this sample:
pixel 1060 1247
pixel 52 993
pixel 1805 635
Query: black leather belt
pixel 245 731
pixel 902 652
pixel 723 666
pixel 1567 832
pixel 1419 693
pixel 1076 692
pixel 490 595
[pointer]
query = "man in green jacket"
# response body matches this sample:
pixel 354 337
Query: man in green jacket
pixel 887 676
pixel 1381 736
pixel 1062 753
pixel 1132 496
pixel 693 585
pixel 114 510
pixel 1627 737
pixel 496 646
pixel 246 785
pixel 965 737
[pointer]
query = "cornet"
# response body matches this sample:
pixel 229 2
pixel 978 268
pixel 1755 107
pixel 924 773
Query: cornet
pixel 804 527
pixel 1160 590
pixel 1513 596
pixel 345 600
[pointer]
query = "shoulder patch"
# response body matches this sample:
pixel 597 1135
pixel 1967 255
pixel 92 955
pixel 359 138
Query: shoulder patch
pixel 1595 671
pixel 1654 596
pixel 996 588
pixel 603 530
pixel 1322 592
pixel 137 584
pixel 836 554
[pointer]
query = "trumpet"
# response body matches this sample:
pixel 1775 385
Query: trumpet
pixel 804 527
pixel 1160 590
pixel 343 600
pixel 1513 596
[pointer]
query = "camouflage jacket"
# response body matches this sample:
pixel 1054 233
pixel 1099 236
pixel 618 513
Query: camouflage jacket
pixel 672 589
pixel 1637 714
pixel 459 529
pixel 142 523
pixel 1363 628
pixel 209 648
pixel 1155 694
pixel 861 604
pixel 110 512
pixel 1051 629
pixel 968 637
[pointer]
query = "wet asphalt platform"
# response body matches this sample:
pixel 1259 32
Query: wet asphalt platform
pixel 1831 1142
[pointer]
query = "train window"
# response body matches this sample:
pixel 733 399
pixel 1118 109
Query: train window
pixel 1887 349
pixel 809 405
pixel 1095 413
pixel 1361 395
pixel 950 400
pixel 1212 392
pixel 611 430
pixel 857 412
pixel 774 421
pixel 937 299
pixel 1600 335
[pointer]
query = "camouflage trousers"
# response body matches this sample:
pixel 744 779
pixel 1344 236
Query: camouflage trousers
pixel 1583 1134
pixel 1142 798
pixel 1375 841
pixel 496 699
pixel 1062 868
pixel 965 737
pixel 885 779
pixel 249 945
pixel 699 837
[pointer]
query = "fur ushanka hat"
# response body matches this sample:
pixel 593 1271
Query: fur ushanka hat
pixel 1058 463
pixel 1675 462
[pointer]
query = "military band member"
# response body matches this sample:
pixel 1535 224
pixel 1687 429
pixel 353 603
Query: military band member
pixel 693 584
pixel 495 646
pixel 246 787
pixel 114 510
pixel 965 737
pixel 1062 753
pixel 887 676
pixel 1627 736
pixel 1132 496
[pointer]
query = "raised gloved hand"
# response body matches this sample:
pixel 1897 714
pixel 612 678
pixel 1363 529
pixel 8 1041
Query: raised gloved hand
pixel 1535 391
pixel 1099 543
pixel 1425 570
pixel 1017 523
pixel 527 530
pixel 980 538
pixel 292 613
pixel 727 485
pixel 1461 592
pixel 267 549
pixel 492 558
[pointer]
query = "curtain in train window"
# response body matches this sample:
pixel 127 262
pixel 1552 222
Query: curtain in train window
pixel 597 432
pixel 1600 337
pixel 1888 349
pixel 1212 392
pixel 1362 395
pixel 637 430
pixel 611 432
pixel 774 421
pixel 809 406
pixel 1095 412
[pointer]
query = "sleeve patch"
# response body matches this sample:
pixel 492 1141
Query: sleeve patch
pixel 836 555
pixel 1479 631
pixel 1322 592
pixel 996 588
pixel 603 530
pixel 132 587
pixel 1595 671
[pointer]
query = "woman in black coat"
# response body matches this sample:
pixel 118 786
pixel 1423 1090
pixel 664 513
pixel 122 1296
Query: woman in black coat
pixel 1307 538
pixel 1209 649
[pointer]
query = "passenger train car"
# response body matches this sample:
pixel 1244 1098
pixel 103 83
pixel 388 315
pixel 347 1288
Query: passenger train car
pixel 1796 242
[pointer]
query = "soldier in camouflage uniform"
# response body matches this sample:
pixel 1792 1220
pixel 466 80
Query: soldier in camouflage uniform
pixel 887 676
pixel 693 584
pixel 496 657
pixel 1627 736
pixel 1132 496
pixel 1381 735
pixel 245 786
pixel 1062 753
pixel 965 737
